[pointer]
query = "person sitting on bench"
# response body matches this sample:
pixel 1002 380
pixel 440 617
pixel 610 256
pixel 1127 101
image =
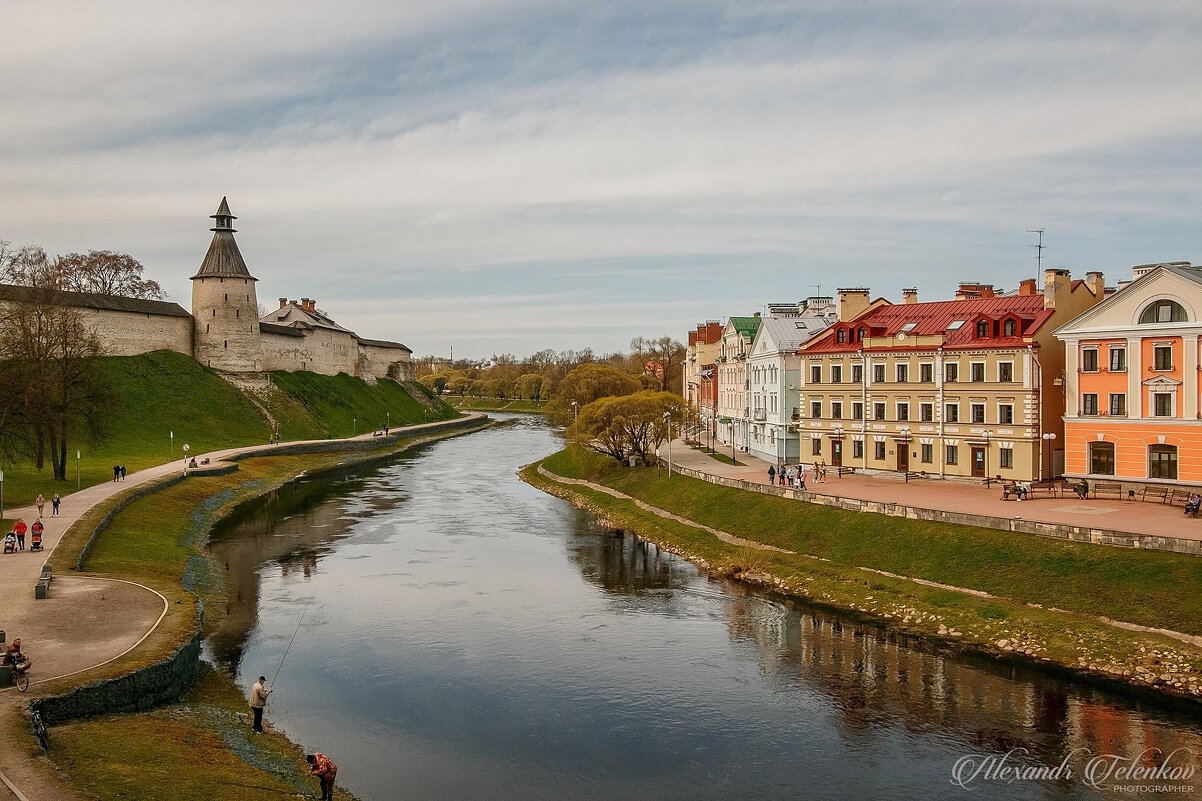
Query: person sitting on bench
pixel 1191 506
pixel 1022 489
pixel 1082 489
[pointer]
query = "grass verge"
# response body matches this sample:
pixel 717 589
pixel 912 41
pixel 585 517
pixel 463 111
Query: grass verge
pixel 1049 594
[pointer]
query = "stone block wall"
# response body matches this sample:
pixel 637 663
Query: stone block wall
pixel 132 333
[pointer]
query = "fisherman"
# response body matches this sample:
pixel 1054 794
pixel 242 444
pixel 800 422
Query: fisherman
pixel 325 770
pixel 258 700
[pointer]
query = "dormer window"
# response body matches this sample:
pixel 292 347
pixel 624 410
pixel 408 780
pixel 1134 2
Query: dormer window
pixel 841 335
pixel 1010 328
pixel 863 333
pixel 982 329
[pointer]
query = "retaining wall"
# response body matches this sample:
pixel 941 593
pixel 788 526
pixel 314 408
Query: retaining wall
pixel 1097 536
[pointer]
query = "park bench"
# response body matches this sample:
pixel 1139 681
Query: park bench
pixel 1037 489
pixel 1154 494
pixel 1180 497
pixel 1111 489
pixel 42 589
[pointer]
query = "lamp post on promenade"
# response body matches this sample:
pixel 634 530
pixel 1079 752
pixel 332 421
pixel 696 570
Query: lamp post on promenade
pixel 668 423
pixel 986 458
pixel 1048 438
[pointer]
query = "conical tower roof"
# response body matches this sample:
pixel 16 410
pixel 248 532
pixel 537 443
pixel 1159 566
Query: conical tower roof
pixel 223 260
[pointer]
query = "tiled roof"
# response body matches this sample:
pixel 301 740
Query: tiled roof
pixel 937 317
pixel 90 300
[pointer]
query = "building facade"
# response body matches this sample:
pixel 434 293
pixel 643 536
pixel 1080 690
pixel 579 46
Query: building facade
pixel 1131 381
pixel 960 389
pixel 734 410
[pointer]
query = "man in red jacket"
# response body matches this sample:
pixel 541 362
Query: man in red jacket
pixel 325 770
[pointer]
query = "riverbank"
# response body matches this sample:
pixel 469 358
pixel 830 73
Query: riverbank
pixel 198 748
pixel 1004 595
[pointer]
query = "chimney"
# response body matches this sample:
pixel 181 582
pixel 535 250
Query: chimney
pixel 1055 284
pixel 1095 283
pixel 909 296
pixel 756 315
pixel 853 302
pixel 312 304
pixel 969 290
pixel 1026 287
pixel 283 302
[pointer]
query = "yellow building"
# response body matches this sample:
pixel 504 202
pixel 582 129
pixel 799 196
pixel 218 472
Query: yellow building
pixel 965 388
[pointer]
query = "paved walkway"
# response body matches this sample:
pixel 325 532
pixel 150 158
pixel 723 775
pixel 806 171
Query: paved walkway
pixel 85 621
pixel 1137 517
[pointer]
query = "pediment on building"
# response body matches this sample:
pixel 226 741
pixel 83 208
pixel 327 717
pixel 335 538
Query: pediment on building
pixel 1162 382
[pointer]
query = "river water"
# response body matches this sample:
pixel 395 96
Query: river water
pixel 452 633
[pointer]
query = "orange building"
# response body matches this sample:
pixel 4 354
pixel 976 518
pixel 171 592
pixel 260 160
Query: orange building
pixel 1132 410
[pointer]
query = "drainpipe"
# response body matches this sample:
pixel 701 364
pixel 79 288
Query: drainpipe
pixel 863 408
pixel 939 376
pixel 1037 386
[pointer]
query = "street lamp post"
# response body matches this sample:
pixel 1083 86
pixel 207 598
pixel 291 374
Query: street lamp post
pixel 185 458
pixel 575 407
pixel 905 432
pixel 986 458
pixel 1 494
pixel 1048 438
pixel 668 423
pixel 76 470
pixel 171 455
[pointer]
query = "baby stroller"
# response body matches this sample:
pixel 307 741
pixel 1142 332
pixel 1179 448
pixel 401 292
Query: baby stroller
pixel 35 541
pixel 10 543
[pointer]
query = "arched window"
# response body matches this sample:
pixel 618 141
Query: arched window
pixel 1162 461
pixel 841 335
pixel 863 333
pixel 1010 328
pixel 1164 311
pixel 983 329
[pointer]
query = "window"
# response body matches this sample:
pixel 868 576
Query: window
pixel 857 411
pixel 951 371
pixel 951 456
pixel 816 447
pixel 815 409
pixel 1089 360
pixel 903 411
pixel 951 413
pixel 928 453
pixel 1162 357
pixel 863 333
pixel 857 373
pixel 878 411
pixel 1118 360
pixel 1164 311
pixel 903 373
pixel 1089 403
pixel 977 412
pixel 1005 457
pixel 926 412
pixel 1005 371
pixel 955 325
pixel 857 449
pixel 815 373
pixel 1010 328
pixel 1118 405
pixel 926 373
pixel 836 410
pixel 836 373
pixel 978 371
pixel 982 329
pixel 879 448
pixel 1005 414
pixel 1101 458
pixel 1162 404
pixel 1162 461
pixel 878 373
pixel 841 335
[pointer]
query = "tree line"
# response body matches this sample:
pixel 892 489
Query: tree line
pixel 51 385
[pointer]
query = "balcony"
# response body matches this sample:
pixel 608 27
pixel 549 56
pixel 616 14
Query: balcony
pixel 760 415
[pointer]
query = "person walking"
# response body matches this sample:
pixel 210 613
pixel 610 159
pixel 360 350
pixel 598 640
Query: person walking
pixel 40 503
pixel 325 770
pixel 792 476
pixel 122 472
pixel 19 529
pixel 258 700
pixel 54 505
pixel 771 474
pixel 801 476
pixel 116 472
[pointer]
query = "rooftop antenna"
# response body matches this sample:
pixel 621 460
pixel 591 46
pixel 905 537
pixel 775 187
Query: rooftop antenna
pixel 818 287
pixel 1038 249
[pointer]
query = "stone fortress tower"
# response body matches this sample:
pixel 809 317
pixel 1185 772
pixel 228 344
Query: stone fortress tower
pixel 225 309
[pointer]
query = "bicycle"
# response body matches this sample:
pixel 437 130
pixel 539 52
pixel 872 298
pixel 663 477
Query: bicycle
pixel 39 730
pixel 21 677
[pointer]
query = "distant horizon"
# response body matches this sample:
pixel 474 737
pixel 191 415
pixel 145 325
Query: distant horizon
pixel 508 176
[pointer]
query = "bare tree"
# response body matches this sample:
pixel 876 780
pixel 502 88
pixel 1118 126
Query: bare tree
pixel 667 353
pixel 104 272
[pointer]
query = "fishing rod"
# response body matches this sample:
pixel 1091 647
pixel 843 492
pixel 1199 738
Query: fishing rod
pixel 289 648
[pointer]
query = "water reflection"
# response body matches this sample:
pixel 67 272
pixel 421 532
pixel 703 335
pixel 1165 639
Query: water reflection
pixel 472 637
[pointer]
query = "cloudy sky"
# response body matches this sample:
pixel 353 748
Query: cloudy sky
pixel 505 176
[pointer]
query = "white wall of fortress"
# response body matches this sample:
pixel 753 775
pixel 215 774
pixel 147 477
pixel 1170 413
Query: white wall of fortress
pixel 130 333
pixel 387 363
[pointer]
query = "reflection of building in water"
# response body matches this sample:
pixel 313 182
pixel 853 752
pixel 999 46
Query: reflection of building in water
pixel 291 526
pixel 876 678
pixel 622 563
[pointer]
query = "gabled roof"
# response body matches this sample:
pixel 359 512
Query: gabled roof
pixel 745 326
pixel 90 300
pixel 294 315
pixel 940 317
pixel 223 259
pixel 1140 286
pixel 790 333
pixel 282 330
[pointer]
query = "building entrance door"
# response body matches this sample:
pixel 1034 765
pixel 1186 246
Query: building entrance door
pixel 903 457
pixel 978 462
pixel 836 453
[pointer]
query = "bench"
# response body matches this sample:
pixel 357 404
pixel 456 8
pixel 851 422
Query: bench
pixel 839 471
pixel 1034 490
pixel 1154 494
pixel 1110 489
pixel 1180 496
pixel 42 589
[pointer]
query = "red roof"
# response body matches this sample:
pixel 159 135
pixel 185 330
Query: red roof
pixel 936 317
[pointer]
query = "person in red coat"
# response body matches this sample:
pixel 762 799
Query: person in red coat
pixel 325 770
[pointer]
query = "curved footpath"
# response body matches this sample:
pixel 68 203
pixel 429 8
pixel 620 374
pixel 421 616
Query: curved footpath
pixel 1151 519
pixel 86 621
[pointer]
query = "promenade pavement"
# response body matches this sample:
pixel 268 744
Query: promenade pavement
pixel 85 621
pixel 1137 517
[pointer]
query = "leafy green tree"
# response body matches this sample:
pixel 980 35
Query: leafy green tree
pixel 530 386
pixel 587 383
pixel 628 425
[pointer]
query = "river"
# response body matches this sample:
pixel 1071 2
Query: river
pixel 452 633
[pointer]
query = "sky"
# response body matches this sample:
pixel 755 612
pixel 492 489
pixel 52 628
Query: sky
pixel 497 176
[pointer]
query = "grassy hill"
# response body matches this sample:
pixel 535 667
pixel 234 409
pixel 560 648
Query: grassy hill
pixel 166 399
